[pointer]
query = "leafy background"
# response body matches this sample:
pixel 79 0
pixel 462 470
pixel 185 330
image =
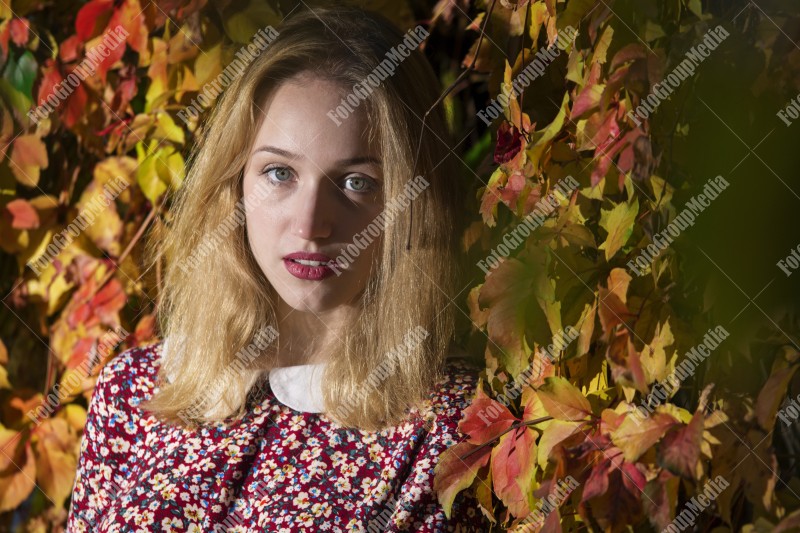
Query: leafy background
pixel 573 417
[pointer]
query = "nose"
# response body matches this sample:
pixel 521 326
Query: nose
pixel 313 210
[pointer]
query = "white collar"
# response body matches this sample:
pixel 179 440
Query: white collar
pixel 298 387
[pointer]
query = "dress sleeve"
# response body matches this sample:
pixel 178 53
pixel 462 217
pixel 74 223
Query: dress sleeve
pixel 106 447
pixel 417 508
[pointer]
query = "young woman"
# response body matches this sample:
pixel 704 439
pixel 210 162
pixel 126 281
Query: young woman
pixel 306 382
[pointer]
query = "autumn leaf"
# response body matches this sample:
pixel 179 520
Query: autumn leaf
pixel 635 436
pixel 28 156
pixel 452 474
pixel 506 292
pixel 92 18
pixel 485 419
pixel 772 395
pixel 513 466
pixel 22 214
pixel 618 223
pixel 56 461
pixel 563 401
pixel 680 449
pixel 554 434
pixel 18 473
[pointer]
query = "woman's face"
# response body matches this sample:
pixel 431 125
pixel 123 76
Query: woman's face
pixel 310 187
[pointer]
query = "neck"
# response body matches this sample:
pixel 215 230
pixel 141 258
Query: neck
pixel 308 337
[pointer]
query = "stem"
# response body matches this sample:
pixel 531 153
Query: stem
pixel 513 427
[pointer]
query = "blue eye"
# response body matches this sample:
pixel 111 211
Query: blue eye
pixel 283 174
pixel 360 184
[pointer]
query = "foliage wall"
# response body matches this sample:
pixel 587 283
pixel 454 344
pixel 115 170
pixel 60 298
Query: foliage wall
pixel 616 177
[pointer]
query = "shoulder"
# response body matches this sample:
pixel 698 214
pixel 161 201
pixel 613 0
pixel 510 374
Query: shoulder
pixel 456 387
pixel 130 375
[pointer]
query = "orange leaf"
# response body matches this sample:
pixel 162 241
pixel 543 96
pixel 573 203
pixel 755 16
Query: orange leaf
pixel 17 478
pixel 23 215
pixel 56 461
pixel 27 157
pixel 513 468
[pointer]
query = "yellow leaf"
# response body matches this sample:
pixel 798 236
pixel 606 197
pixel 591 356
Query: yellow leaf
pixel 563 401
pixel 104 226
pixel 115 172
pixel 166 129
pixel 618 222
pixel 635 436
pixel 157 92
pixel 208 65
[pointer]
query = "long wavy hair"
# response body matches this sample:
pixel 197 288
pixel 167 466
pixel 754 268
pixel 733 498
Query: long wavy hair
pixel 211 316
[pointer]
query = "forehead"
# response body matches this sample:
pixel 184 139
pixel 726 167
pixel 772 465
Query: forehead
pixel 294 116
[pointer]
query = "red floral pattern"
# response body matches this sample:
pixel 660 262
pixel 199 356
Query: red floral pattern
pixel 277 469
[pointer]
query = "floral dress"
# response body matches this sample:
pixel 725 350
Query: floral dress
pixel 277 469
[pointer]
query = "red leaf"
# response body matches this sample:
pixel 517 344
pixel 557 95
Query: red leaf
pixel 19 28
pixel 109 300
pixel 597 484
pixel 69 49
pixel 23 215
pixel 485 419
pixel 680 449
pixel 509 143
pixel 92 17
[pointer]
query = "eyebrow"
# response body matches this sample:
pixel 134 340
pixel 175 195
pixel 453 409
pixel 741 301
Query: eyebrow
pixel 349 161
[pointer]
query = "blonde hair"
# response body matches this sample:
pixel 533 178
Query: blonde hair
pixel 214 313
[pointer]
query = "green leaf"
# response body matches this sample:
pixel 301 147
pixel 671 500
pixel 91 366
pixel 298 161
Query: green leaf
pixel 21 73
